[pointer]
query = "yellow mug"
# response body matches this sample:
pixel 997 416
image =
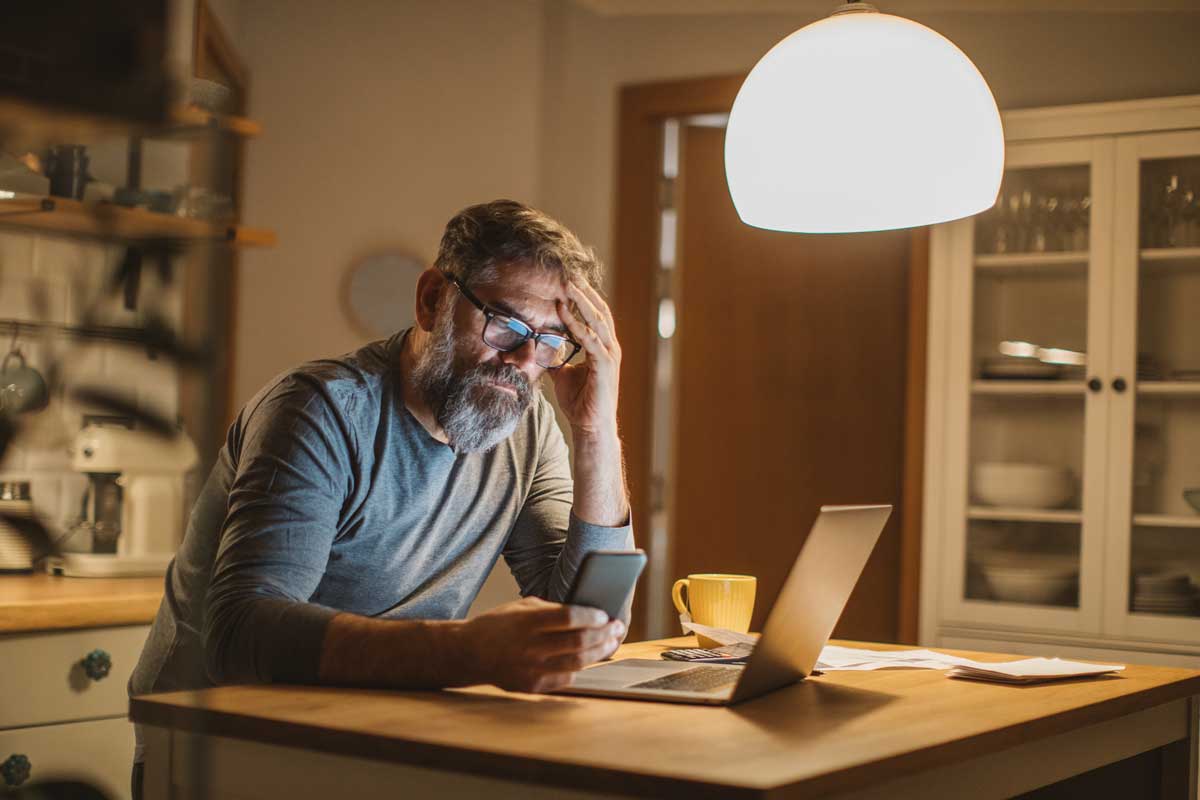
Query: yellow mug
pixel 716 600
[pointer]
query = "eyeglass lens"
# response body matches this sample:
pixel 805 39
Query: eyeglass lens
pixel 507 334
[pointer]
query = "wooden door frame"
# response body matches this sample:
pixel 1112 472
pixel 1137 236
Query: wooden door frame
pixel 643 109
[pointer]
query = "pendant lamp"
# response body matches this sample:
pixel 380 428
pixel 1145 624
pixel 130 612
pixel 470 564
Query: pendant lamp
pixel 862 121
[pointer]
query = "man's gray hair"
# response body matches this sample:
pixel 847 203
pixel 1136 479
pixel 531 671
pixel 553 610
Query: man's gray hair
pixel 481 238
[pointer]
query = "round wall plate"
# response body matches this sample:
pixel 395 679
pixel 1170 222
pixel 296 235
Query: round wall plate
pixel 379 292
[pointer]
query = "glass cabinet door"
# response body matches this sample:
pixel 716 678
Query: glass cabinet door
pixel 1154 558
pixel 1028 537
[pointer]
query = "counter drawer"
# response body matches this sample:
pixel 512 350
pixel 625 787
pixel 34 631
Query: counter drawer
pixel 98 752
pixel 43 679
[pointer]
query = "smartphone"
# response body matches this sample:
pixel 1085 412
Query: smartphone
pixel 605 580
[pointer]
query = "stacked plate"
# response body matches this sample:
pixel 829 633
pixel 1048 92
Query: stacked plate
pixel 1163 593
pixel 1025 369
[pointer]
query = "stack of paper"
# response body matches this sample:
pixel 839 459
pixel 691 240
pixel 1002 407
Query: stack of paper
pixel 1030 670
pixel 834 658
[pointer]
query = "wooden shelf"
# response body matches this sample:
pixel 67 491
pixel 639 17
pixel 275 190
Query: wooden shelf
pixel 1002 514
pixel 1163 258
pixel 1027 388
pixel 1032 264
pixel 58 215
pixel 1167 520
pixel 1169 388
pixel 192 121
pixel 36 123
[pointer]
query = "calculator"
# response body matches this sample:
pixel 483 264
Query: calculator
pixel 730 654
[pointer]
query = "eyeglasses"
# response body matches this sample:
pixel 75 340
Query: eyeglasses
pixel 507 333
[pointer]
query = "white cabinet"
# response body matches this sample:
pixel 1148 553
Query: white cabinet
pixel 66 722
pixel 1063 416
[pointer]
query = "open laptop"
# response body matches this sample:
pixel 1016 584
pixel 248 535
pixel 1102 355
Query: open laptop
pixel 797 628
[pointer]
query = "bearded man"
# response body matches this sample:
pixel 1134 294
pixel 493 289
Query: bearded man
pixel 359 503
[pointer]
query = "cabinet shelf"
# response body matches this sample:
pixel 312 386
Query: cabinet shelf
pixel 1002 514
pixel 1163 259
pixel 1055 264
pixel 108 221
pixel 1028 388
pixel 1169 388
pixel 1167 520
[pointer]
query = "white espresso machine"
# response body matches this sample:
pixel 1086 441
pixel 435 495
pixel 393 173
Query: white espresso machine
pixel 134 505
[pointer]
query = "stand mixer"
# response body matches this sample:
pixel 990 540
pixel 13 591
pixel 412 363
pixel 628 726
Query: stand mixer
pixel 134 504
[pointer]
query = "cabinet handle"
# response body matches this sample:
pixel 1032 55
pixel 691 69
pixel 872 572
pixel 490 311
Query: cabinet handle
pixel 15 769
pixel 97 664
pixel 1095 384
pixel 1118 384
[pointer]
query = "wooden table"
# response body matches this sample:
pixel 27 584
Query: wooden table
pixel 886 734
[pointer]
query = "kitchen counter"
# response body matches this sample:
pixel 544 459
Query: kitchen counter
pixel 42 602
pixel 885 734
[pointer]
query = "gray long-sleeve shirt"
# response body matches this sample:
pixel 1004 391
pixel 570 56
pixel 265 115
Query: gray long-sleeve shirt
pixel 329 496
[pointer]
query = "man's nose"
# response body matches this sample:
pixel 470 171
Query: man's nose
pixel 523 358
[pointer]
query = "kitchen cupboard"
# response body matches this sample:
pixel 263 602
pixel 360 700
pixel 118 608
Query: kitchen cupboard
pixel 66 713
pixel 1063 393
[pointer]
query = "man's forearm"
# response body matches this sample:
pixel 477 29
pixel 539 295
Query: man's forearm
pixel 410 654
pixel 601 497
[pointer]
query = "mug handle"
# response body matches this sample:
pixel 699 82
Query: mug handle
pixel 677 595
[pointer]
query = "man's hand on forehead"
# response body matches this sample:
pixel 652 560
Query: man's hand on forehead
pixel 587 392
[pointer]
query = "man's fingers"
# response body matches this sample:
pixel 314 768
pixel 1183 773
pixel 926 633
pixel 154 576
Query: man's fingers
pixel 591 314
pixel 573 641
pixel 600 303
pixel 584 334
pixel 576 661
pixel 569 617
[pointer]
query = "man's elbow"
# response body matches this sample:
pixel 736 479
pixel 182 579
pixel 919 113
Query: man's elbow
pixel 222 619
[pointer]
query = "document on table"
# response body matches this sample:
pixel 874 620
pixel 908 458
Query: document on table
pixel 836 658
pixel 1030 670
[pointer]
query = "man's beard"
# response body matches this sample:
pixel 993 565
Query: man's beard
pixel 475 414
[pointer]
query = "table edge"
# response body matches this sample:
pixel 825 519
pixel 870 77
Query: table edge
pixel 146 710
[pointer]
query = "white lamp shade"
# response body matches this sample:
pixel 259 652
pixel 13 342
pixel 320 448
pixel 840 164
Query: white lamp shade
pixel 862 122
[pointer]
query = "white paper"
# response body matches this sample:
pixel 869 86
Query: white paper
pixel 836 658
pixel 1031 670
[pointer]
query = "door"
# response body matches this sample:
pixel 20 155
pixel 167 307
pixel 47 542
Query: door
pixel 1154 473
pixel 788 389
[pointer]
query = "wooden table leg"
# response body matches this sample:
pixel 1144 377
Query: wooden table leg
pixel 1179 761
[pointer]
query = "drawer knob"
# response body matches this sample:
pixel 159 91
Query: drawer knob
pixel 97 664
pixel 15 769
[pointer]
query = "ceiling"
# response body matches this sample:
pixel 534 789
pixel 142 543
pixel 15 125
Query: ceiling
pixel 630 8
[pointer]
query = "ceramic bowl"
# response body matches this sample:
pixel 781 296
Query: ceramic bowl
pixel 1023 485
pixel 1030 586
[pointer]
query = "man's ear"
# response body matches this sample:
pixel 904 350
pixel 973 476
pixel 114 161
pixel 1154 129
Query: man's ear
pixel 429 291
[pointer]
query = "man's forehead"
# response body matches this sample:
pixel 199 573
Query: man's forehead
pixel 527 292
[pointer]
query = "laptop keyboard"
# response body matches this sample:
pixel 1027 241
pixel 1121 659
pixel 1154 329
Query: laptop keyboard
pixel 696 679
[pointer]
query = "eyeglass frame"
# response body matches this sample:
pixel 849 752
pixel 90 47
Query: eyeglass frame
pixel 490 313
